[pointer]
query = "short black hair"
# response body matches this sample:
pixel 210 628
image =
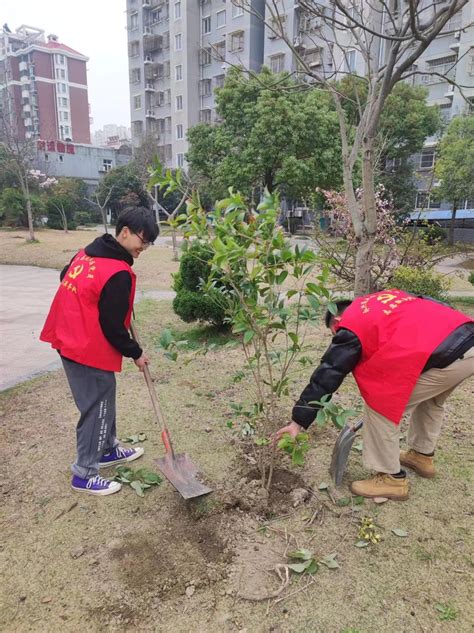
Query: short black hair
pixel 341 304
pixel 138 219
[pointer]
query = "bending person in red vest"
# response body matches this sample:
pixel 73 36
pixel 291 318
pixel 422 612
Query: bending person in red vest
pixel 407 354
pixel 88 324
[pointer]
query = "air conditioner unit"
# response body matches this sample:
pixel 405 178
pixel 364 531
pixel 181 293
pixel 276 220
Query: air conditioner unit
pixel 148 59
pixel 102 169
pixel 150 113
pixel 149 86
pixel 457 34
pixel 146 30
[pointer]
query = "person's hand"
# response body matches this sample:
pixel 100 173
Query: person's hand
pixel 293 429
pixel 142 361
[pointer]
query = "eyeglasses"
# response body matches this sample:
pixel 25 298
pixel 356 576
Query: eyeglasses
pixel 145 244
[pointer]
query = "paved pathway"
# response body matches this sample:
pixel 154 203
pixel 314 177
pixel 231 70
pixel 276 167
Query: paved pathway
pixel 26 293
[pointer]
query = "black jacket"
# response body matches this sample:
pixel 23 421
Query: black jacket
pixel 114 300
pixel 344 353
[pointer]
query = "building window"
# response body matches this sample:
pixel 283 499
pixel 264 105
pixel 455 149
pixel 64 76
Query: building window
pixel 179 132
pixel 107 164
pixel 179 159
pixel 237 41
pixel 219 81
pixel 277 63
pixel 177 42
pixel 137 102
pixel 422 199
pixel 206 25
pixel 60 73
pixel 219 49
pixel 134 49
pixel 205 115
pixel 277 27
pixel 351 61
pixel 135 76
pixel 133 21
pixel 206 56
pixel 59 59
pixel 179 102
pixel 205 88
pixel 63 116
pixel 427 159
pixel 177 10
pixel 178 72
pixel 61 158
pixel 237 9
pixel 67 130
pixel 220 19
pixel 137 128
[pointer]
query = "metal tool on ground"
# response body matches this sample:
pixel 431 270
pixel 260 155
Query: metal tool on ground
pixel 179 468
pixel 341 450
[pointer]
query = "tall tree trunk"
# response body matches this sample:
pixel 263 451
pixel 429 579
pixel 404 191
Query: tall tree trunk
pixel 451 224
pixel 366 241
pixel 175 245
pixel 29 211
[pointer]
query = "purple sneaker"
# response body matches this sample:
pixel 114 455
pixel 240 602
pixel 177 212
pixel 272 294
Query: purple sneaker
pixel 119 455
pixel 95 485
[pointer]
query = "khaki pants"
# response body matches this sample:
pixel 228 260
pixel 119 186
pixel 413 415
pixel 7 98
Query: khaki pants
pixel 381 450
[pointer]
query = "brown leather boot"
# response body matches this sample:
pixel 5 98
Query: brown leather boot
pixel 421 464
pixel 382 485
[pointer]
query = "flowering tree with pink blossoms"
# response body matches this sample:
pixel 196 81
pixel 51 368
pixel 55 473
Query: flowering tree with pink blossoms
pixel 394 244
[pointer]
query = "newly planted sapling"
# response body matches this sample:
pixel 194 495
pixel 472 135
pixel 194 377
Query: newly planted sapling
pixel 296 447
pixel 273 291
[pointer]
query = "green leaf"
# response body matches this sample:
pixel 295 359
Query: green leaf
pixel 299 568
pixel 323 486
pixel 302 554
pixel 344 501
pixel 261 441
pixel 137 486
pixel 358 500
pixel 248 336
pixel 166 338
pixel 171 355
pixel 313 568
pixel 399 532
pixel 329 561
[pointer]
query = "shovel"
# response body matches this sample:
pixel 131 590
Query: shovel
pixel 341 450
pixel 179 469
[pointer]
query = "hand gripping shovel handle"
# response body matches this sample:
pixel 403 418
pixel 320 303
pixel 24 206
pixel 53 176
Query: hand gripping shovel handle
pixel 165 436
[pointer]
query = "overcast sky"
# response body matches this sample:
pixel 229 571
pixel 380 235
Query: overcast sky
pixel 95 28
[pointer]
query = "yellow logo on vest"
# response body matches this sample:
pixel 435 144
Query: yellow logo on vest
pixel 76 271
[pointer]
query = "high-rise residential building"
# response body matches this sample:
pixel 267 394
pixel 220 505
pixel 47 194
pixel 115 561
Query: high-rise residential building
pixel 179 52
pixel 45 83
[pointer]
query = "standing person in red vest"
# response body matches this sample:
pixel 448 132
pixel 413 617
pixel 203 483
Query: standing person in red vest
pixel 407 355
pixel 88 324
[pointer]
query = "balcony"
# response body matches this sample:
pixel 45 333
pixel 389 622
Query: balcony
pixel 150 86
pixel 150 114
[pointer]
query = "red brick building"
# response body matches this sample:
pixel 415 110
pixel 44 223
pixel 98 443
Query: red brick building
pixel 45 83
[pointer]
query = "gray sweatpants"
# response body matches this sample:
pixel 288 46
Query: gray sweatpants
pixel 93 391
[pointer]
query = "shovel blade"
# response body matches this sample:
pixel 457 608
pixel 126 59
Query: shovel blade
pixel 181 472
pixel 341 450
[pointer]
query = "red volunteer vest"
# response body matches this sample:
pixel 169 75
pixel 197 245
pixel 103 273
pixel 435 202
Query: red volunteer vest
pixel 398 333
pixel 72 326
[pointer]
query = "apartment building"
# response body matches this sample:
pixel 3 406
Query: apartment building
pixel 45 85
pixel 178 52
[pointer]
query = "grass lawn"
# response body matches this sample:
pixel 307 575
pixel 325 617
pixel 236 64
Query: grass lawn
pixel 54 249
pixel 125 563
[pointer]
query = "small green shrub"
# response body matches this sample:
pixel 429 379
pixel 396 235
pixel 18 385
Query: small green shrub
pixel 433 234
pixel 191 302
pixel 471 278
pixel 421 282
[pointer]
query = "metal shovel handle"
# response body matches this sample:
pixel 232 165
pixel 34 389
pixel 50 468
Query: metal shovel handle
pixel 154 399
